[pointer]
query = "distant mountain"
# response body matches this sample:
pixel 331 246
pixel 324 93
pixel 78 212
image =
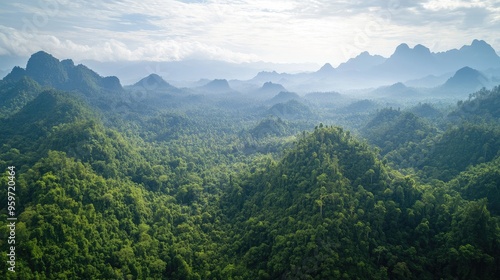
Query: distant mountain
pixel 426 110
pixel 417 65
pixel 411 63
pixel 479 55
pixel 217 86
pixel 272 76
pixel 268 90
pixel 398 90
pixel 153 82
pixel 192 69
pixel 429 81
pixel 465 81
pixel 269 127
pixel 323 97
pixel 406 63
pixel 361 106
pixel 326 70
pixel 271 86
pixel 283 97
pixel 49 71
pixel 363 62
pixel 292 109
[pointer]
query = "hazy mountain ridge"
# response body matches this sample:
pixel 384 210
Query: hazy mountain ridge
pixel 363 62
pixel 466 80
pixel 191 70
pixel 153 82
pixel 268 90
pixel 210 186
pixel 404 64
pixel 217 86
pixel 417 66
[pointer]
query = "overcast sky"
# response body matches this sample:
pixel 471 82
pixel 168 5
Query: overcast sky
pixel 298 31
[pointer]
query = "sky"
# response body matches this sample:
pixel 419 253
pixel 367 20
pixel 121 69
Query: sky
pixel 294 31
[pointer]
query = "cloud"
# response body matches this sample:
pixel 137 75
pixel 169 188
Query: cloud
pixel 17 43
pixel 240 30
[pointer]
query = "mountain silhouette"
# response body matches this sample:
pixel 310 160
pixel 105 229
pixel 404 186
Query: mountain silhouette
pixel 478 55
pixel 363 62
pixel 407 63
pixel 398 90
pixel 272 76
pixel 153 82
pixel 268 90
pixel 465 80
pixel 413 63
pixel 216 86
pixel 291 109
pixel 417 66
pixel 326 70
pixel 283 97
pixel 49 71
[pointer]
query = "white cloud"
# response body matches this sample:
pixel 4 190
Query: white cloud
pixel 440 5
pixel 240 30
pixel 18 43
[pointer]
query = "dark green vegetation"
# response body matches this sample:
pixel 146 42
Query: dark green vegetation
pixel 113 184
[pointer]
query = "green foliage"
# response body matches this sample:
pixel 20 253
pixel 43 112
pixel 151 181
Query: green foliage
pixel 481 181
pixel 14 95
pixel 459 147
pixel 212 190
pixel 330 209
pixel 269 127
pixel 391 129
pixel 291 109
pixel 426 110
pixel 483 104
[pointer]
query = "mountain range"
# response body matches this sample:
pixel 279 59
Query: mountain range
pixel 418 65
pixel 408 73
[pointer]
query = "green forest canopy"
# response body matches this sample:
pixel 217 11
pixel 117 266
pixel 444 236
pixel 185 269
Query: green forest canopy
pixel 218 189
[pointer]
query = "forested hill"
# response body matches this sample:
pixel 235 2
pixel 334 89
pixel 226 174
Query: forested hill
pixel 178 185
pixel 483 104
pixel 45 71
pixel 16 94
pixel 331 209
pixel 49 71
pixel 442 146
